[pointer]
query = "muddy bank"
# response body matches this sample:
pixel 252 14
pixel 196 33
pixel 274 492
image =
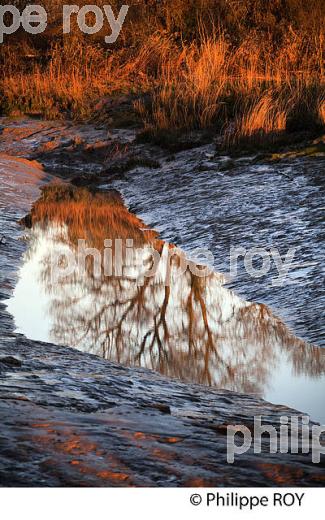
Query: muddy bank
pixel 72 419
pixel 181 322
pixel 83 154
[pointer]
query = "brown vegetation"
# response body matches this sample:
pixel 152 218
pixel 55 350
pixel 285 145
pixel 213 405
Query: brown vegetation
pixel 247 70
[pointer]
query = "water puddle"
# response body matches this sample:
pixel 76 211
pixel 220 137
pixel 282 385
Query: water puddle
pixel 177 322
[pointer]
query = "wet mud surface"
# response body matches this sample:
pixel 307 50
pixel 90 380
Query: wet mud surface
pixel 201 200
pixel 179 320
pixel 72 419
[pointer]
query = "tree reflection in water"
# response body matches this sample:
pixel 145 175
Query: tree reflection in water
pixel 194 329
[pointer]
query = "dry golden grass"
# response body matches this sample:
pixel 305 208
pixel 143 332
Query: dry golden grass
pixel 242 91
pixel 189 87
pixel 74 79
pixel 265 117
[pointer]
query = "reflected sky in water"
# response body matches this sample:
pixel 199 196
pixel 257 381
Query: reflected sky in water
pixel 192 328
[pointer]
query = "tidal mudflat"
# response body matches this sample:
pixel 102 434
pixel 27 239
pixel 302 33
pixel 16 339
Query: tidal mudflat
pixel 81 398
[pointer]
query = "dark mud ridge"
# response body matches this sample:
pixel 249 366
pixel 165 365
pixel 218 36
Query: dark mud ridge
pixel 72 419
pixel 69 418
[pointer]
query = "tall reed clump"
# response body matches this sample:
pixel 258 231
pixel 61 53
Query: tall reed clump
pixel 246 94
pixel 277 112
pixel 189 88
pixel 262 118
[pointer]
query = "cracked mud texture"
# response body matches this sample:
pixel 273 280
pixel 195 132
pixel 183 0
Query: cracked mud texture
pixel 72 419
